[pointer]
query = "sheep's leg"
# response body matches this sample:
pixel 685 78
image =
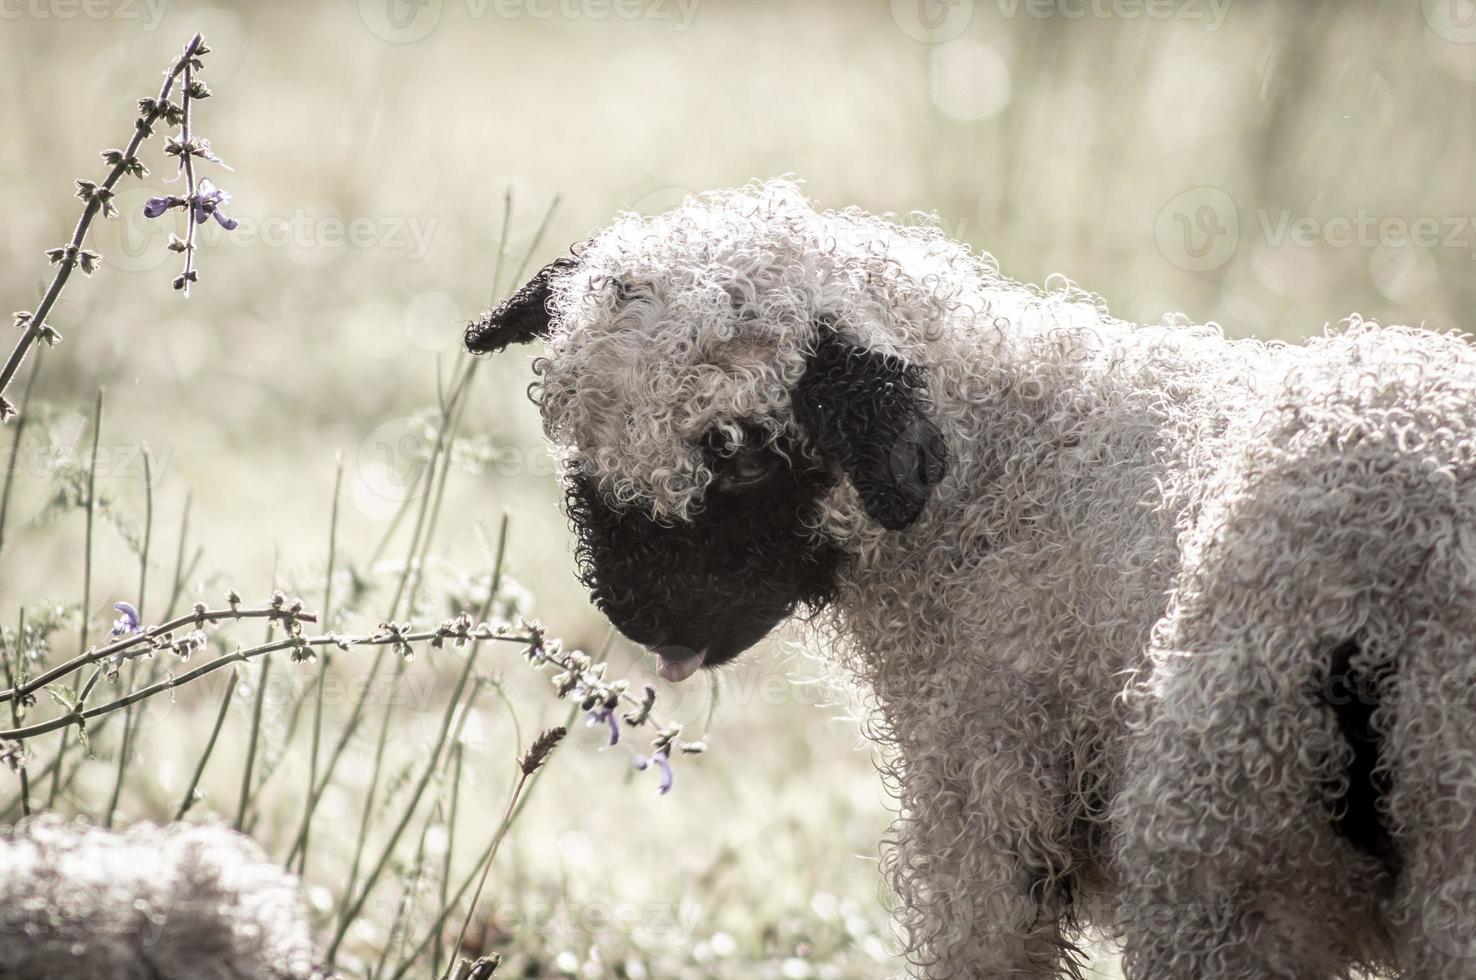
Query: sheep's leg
pixel 981 864
pixel 1432 802
pixel 967 906
pixel 1232 861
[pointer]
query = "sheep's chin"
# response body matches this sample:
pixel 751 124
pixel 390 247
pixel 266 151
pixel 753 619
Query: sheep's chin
pixel 678 669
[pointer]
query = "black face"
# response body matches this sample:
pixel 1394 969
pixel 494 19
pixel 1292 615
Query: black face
pixel 702 591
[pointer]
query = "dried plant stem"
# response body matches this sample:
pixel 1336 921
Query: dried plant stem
pixel 326 659
pixel 188 161
pixel 84 614
pixel 398 924
pixel 147 638
pixel 85 626
pixel 148 535
pixel 125 743
pixel 393 935
pixel 478 873
pixel 412 560
pixel 345 735
pixel 34 325
pixel 371 793
pixel 356 713
pixel 417 555
pixel 482 633
pixel 45 773
pixel 20 638
pixel 253 740
pixel 498 266
pixel 458 409
pixel 485 864
pixel 181 572
pixel 353 907
pixel 220 716
pixel 458 754
pixel 15 448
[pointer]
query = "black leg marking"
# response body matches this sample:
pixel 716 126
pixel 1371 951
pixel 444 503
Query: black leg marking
pixel 1353 695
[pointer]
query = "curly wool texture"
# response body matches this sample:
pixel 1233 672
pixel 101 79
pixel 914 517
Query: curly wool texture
pixel 179 902
pixel 1093 659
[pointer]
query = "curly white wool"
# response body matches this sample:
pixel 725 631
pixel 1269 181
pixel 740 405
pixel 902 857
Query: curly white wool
pixel 1089 658
pixel 178 902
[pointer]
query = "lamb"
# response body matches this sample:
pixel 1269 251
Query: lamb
pixel 1167 637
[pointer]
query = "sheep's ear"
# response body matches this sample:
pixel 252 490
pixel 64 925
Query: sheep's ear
pixel 867 411
pixel 520 318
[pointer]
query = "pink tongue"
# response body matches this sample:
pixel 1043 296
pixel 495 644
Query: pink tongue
pixel 677 670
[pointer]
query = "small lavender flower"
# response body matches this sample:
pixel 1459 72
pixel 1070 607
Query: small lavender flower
pixel 661 762
pixel 206 204
pixel 605 713
pixel 126 623
pixel 155 207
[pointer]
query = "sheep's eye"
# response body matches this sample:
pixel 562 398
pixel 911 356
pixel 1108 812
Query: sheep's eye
pixel 745 469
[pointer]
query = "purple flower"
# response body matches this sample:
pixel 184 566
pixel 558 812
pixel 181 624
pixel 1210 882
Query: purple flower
pixel 659 760
pixel 128 621
pixel 156 206
pixel 605 714
pixel 206 204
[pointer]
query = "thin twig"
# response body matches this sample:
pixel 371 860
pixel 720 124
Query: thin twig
pixel 35 325
pixel 20 643
pixel 84 614
pixel 220 716
pixel 458 755
pixel 187 159
pixel 397 925
pixel 253 740
pixel 484 862
pixel 486 866
pixel 15 446
pixel 256 712
pixel 355 906
pixel 181 572
pixel 149 636
pixel 382 639
pixel 125 745
pixel 321 679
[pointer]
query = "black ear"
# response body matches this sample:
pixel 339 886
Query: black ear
pixel 521 317
pixel 866 410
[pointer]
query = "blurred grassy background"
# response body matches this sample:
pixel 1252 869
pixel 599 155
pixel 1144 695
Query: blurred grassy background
pixel 1270 167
